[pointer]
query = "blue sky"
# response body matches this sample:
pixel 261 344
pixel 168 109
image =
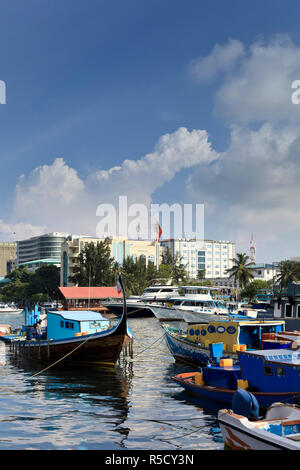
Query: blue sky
pixel 95 83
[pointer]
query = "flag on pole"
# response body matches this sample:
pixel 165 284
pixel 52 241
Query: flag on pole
pixel 159 231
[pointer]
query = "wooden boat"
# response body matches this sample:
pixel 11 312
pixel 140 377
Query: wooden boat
pixel 278 430
pixel 220 382
pixel 102 347
pixel 192 345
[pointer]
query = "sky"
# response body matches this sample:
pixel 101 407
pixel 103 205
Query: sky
pixel 162 102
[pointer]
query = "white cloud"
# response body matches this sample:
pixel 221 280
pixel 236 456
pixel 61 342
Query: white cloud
pixel 223 58
pixel 22 230
pixel 56 197
pixel 256 81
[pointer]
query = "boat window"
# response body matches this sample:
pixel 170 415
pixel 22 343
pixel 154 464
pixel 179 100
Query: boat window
pixel 189 303
pixel 67 324
pixel 268 370
pixel 279 371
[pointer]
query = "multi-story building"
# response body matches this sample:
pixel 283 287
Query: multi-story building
pixel 120 248
pixel 8 253
pixel 213 256
pixel 36 251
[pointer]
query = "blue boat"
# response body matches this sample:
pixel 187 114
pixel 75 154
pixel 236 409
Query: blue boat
pixel 271 376
pixel 76 336
pixel 271 370
pixel 192 346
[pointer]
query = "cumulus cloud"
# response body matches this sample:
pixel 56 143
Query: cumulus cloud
pixel 222 59
pixel 253 185
pixel 59 199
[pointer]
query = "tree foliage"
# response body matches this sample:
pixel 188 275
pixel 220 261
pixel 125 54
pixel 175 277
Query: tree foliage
pixel 241 270
pixel 95 266
pixel 26 286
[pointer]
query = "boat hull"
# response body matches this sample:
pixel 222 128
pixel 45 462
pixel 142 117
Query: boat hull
pixel 239 435
pixel 101 350
pixel 224 395
pixel 133 311
pixel 185 352
pixel 98 348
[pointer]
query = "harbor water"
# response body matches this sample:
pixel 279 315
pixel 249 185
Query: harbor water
pixel 134 406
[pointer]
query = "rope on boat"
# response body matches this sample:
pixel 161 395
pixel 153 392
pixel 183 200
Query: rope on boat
pixel 51 365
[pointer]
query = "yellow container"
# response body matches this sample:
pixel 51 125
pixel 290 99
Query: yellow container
pixel 85 333
pixel 77 334
pixel 243 347
pixel 199 378
pixel 242 384
pixel 226 363
pixel 235 347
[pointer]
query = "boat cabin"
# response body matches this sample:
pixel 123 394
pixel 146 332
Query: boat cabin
pixel 67 324
pixel 235 335
pixel 271 370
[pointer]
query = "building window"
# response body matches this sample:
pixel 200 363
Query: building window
pixel 298 311
pixel 288 311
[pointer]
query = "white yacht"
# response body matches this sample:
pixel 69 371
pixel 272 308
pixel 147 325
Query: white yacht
pixel 159 293
pixel 8 309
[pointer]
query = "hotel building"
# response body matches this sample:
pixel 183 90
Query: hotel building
pixel 44 249
pixel 213 256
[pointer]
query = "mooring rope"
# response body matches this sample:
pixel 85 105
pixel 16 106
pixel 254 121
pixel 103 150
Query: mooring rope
pixel 160 338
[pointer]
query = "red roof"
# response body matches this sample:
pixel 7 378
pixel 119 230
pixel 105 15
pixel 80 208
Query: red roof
pixel 89 292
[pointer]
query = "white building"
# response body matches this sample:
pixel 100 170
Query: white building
pixel 265 271
pixel 41 249
pixel 213 256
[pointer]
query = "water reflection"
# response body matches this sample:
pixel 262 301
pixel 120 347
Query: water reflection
pixel 134 405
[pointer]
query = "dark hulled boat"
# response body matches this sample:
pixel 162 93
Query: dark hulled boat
pixel 102 347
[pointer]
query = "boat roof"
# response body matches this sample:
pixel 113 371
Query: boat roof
pixel 275 355
pixel 81 315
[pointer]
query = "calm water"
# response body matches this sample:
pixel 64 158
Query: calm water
pixel 134 406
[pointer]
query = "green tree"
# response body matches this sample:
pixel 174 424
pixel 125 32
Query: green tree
pixel 45 280
pixel 201 274
pixel 252 289
pixel 134 275
pixel 95 266
pixel 288 272
pixel 241 270
pixel 179 272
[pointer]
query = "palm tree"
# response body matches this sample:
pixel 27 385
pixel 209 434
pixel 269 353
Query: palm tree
pixel 288 272
pixel 241 269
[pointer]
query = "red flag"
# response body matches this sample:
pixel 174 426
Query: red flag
pixel 159 231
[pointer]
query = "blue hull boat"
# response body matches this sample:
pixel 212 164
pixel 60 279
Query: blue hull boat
pixel 193 345
pixel 224 395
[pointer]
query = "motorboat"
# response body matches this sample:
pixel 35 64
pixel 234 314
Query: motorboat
pixel 8 309
pixel 278 429
pixel 193 343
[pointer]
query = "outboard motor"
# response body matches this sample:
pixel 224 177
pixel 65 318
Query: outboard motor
pixel 245 404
